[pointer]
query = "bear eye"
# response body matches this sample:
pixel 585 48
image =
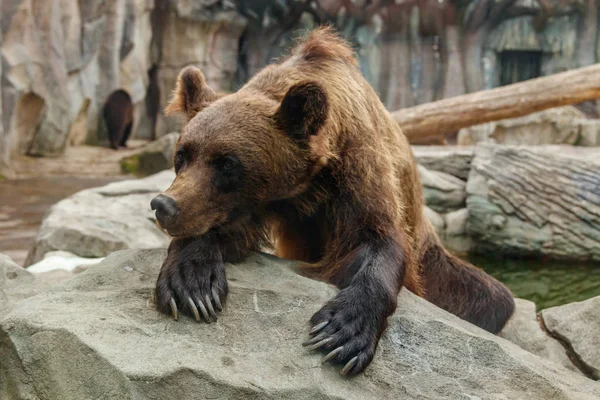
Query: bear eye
pixel 179 159
pixel 228 164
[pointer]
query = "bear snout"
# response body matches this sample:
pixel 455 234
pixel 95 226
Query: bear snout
pixel 167 210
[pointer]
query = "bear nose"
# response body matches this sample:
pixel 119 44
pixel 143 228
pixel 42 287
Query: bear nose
pixel 166 209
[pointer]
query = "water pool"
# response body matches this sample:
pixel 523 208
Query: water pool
pixel 547 283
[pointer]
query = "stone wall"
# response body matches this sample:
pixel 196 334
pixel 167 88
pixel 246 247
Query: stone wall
pixel 61 59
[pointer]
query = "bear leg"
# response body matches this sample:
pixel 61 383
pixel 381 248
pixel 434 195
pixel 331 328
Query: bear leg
pixel 126 134
pixel 350 325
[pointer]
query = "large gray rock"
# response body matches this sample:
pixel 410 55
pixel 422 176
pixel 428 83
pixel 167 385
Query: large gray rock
pixel 535 201
pixel 95 222
pixel 16 284
pixel 524 330
pixel 453 160
pixel 152 158
pixel 97 336
pixel 561 125
pixel 442 192
pixel 578 326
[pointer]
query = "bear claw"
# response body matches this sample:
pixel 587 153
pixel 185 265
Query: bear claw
pixel 174 311
pixel 217 299
pixel 194 309
pixel 333 354
pixel 318 327
pixel 348 367
pixel 314 340
pixel 204 312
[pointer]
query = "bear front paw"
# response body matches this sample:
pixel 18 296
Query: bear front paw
pixel 348 328
pixel 193 284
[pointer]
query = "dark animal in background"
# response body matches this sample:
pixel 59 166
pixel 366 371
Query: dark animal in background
pixel 118 116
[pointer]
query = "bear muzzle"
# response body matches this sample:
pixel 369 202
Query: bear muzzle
pixel 167 211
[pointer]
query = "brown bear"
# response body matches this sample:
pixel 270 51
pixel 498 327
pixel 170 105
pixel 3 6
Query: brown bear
pixel 118 116
pixel 306 157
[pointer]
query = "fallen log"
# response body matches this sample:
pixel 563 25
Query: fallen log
pixel 431 122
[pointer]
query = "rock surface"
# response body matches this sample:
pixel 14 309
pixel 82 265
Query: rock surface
pixel 524 330
pixel 578 326
pixel 561 125
pixel 453 160
pixel 442 192
pixel 452 230
pixel 535 201
pixel 62 59
pixel 456 236
pixel 97 336
pixel 62 260
pixel 98 221
pixel 152 158
pixel 16 284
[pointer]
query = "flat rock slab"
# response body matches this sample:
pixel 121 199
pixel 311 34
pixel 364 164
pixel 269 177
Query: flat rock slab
pixel 578 325
pixel 97 336
pixel 95 222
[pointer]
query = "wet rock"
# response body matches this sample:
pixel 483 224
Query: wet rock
pixel 98 221
pixel 540 200
pixel 524 330
pixel 16 284
pixel 154 157
pixel 443 192
pixel 577 325
pixel 97 334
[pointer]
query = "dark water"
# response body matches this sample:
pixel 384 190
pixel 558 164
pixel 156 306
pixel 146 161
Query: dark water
pixel 547 283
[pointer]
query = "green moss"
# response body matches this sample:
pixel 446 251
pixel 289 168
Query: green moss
pixel 130 165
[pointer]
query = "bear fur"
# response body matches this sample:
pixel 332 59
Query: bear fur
pixel 306 157
pixel 118 116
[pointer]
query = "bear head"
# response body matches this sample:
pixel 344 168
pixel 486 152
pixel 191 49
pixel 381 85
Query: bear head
pixel 238 153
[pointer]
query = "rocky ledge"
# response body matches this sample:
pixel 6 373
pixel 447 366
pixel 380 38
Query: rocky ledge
pixel 98 336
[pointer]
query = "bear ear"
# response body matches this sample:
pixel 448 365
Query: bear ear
pixel 303 110
pixel 191 94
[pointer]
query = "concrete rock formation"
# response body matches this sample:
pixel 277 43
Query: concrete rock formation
pixel 16 284
pixel 98 336
pixel 561 125
pixel 60 59
pixel 535 201
pixel 577 326
pixel 152 158
pixel 95 222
